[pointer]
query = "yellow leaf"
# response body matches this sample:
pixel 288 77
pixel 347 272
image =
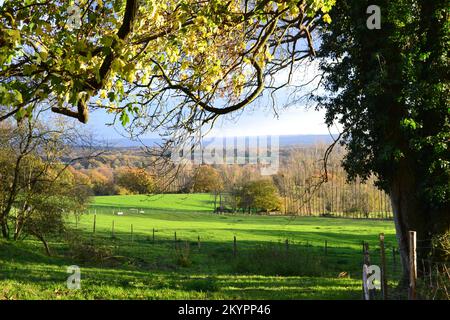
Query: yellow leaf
pixel 103 94
pixel 184 65
pixel 43 54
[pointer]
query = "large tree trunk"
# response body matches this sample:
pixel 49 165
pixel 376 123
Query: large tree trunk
pixel 412 213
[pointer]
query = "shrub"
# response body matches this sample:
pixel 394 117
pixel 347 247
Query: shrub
pixel 441 246
pixel 435 286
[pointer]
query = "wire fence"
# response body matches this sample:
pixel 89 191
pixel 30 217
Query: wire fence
pixel 333 257
pixel 285 255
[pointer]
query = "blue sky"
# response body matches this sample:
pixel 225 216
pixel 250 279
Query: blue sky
pixel 295 120
pixel 257 119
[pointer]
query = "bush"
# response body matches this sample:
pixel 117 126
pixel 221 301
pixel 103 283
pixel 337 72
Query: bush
pixel 441 246
pixel 327 215
pixel 435 286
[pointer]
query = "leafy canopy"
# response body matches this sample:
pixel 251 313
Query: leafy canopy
pixel 131 56
pixel 389 89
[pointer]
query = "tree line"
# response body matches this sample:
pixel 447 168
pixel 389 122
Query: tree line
pixel 296 189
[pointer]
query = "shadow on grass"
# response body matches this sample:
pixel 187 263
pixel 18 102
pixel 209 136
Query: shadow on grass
pixel 260 269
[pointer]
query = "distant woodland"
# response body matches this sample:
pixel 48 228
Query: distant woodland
pixel 298 188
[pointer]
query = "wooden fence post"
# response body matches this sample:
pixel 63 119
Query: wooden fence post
pixel 234 247
pixel 412 265
pixel 383 268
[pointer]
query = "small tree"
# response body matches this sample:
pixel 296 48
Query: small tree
pixel 46 210
pixel 101 184
pixel 261 195
pixel 134 180
pixel 36 186
pixel 206 179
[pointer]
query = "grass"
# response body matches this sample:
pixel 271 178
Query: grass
pixel 136 267
pixel 200 202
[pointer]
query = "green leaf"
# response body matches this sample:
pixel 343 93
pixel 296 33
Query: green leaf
pixel 20 114
pixel 408 124
pixel 124 118
pixel 111 96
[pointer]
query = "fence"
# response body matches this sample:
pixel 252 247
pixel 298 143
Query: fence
pixel 326 257
pixel 434 280
pixel 335 259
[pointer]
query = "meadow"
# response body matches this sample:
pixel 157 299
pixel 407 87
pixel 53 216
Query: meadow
pixel 174 247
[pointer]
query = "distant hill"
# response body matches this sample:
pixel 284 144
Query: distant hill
pixel 285 141
pixel 305 139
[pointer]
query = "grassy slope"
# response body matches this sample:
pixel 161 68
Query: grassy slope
pixel 151 270
pixel 168 202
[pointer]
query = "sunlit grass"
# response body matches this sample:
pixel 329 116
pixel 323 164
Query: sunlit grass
pixel 149 270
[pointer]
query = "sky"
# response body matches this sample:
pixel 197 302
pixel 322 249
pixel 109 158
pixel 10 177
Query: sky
pixel 293 121
pixel 255 120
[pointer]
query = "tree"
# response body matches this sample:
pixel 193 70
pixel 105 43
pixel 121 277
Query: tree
pixel 389 90
pixel 206 179
pixel 33 175
pixel 48 206
pixel 83 183
pixel 261 195
pixel 130 56
pixel 101 184
pixel 134 180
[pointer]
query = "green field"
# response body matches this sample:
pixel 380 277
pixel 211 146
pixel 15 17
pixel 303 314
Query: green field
pixel 139 265
pixel 157 203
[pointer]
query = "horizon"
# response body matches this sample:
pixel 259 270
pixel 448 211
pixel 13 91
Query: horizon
pixel 292 122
